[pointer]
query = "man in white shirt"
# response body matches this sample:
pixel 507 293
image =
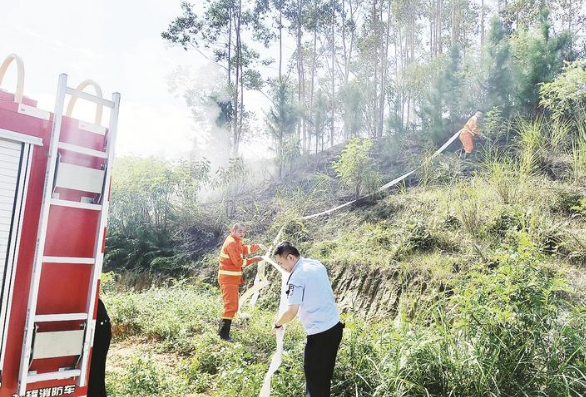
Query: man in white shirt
pixel 309 294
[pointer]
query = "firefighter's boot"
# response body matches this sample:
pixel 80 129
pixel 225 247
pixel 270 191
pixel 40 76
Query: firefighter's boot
pixel 224 331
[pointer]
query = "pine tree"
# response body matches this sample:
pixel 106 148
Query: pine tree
pixel 282 120
pixel 499 81
pixel 538 59
pixel 441 107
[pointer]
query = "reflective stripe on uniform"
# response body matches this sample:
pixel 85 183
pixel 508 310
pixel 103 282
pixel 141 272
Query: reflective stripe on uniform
pixel 224 255
pixel 230 273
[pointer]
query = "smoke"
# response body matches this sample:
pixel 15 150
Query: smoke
pixel 203 88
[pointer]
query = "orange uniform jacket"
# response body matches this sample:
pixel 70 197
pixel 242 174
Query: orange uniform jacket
pixel 232 260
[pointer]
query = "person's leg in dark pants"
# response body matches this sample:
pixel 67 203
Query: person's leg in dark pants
pixel 102 337
pixel 319 361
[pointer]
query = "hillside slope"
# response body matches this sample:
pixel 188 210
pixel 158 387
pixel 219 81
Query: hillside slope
pixel 448 216
pixel 465 281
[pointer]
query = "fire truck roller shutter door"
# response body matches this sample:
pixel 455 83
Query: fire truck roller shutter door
pixel 10 153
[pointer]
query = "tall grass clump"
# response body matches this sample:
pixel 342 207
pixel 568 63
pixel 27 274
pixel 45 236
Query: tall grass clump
pixel 532 140
pixel 560 132
pixel 468 206
pixel 579 153
pixel 502 175
pixel 431 170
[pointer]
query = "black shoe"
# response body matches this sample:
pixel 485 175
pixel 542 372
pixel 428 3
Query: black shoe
pixel 224 331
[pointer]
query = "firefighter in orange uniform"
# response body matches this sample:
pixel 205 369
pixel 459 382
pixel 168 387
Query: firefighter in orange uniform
pixel 232 260
pixel 468 133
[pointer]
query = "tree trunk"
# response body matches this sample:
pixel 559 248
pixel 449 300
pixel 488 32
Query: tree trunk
pixel 404 71
pixel 412 40
pixel 352 41
pixel 397 99
pixel 300 94
pixel 453 24
pixel 301 72
pixel 235 136
pixel 230 48
pixel 241 109
pixel 280 138
pixel 431 47
pixel 438 37
pixel 333 75
pixel 436 28
pixel 384 71
pixel 316 139
pixel 401 91
pixel 280 41
pixel 408 112
pixel 344 48
pixel 313 68
pixel 570 15
pixel 482 23
pixel 374 113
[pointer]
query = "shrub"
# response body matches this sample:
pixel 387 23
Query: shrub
pixel 580 208
pixel 356 168
pixel 565 97
pixel 495 126
pixel 508 219
pixel 568 202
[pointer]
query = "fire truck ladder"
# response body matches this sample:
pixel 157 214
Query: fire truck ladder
pixel 42 345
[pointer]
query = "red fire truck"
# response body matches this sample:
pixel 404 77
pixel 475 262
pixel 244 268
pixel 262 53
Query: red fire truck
pixel 54 191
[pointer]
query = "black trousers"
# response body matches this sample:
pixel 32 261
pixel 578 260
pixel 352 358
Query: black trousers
pixel 319 360
pixel 102 337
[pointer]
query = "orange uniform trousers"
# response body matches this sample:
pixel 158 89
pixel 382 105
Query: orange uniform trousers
pixel 467 141
pixel 230 298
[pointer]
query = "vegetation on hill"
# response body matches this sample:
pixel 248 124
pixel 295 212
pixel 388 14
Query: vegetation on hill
pixel 487 290
pixel 466 279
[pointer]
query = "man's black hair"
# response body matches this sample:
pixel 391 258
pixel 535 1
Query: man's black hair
pixel 285 248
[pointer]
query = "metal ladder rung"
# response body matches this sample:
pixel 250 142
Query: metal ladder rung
pixel 83 150
pixel 94 128
pixel 45 318
pixel 89 97
pixel 72 373
pixel 69 259
pixel 76 177
pixel 76 204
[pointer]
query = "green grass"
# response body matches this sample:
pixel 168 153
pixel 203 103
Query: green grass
pixel 511 328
